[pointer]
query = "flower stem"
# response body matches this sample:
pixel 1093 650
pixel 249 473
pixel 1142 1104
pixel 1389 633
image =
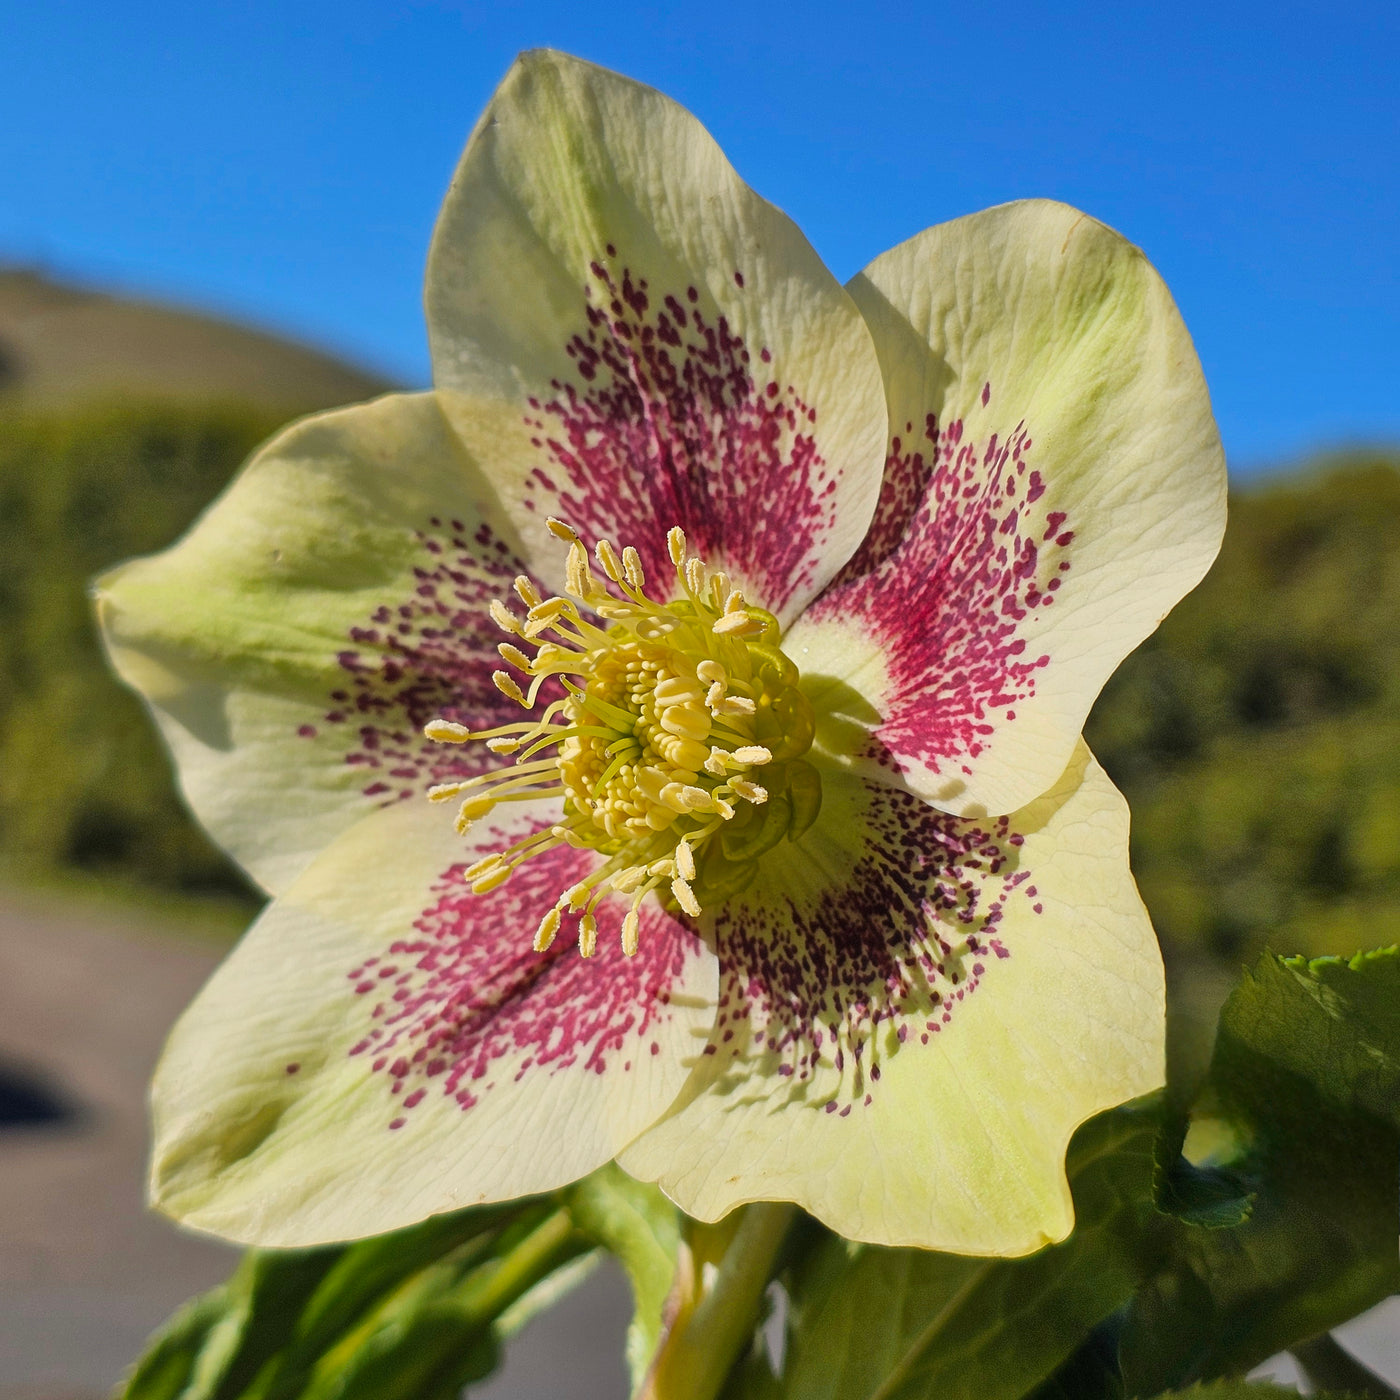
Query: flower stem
pixel 502 1281
pixel 708 1335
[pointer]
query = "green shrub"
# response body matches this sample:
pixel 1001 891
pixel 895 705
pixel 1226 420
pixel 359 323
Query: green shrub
pixel 1257 734
pixel 85 786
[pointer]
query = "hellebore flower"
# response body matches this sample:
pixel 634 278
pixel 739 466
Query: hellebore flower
pixel 808 590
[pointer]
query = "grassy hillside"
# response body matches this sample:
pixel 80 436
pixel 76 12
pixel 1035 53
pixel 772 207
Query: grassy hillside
pixel 85 788
pixel 1257 735
pixel 61 345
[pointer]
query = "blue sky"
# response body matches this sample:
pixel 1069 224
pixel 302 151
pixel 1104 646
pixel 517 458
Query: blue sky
pixel 284 161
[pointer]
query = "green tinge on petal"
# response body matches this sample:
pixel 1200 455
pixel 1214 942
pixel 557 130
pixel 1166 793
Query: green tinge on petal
pixel 674 350
pixel 900 1101
pixel 1056 484
pixel 289 1111
pixel 281 644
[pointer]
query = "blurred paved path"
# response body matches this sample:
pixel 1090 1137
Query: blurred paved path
pixel 85 1271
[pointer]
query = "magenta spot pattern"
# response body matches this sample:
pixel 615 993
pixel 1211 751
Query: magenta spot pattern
pixel 963 550
pixel 844 978
pixel 428 654
pixel 462 1004
pixel 673 421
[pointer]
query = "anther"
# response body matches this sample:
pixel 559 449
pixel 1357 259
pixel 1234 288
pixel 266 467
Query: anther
pixel 685 860
pixel 577 577
pixel 444 731
pixel 625 881
pixel 515 657
pixel 504 618
pixel 685 897
pixel 754 754
pixel 491 880
pixel 632 564
pixel 631 931
pixel 561 531
pixel 546 610
pixel 587 935
pixel 730 623
pixel 675 545
pixel 549 926
pixel 608 560
pixel 695 576
pixel 527 592
pixel 750 792
pixel 508 687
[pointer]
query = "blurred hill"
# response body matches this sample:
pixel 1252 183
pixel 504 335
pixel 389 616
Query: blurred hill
pixel 61 344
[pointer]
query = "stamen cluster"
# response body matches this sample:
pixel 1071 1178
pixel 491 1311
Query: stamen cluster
pixel 670 714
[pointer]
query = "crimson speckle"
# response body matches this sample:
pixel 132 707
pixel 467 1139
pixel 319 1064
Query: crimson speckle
pixel 426 655
pixel 474 991
pixel 662 424
pixel 815 980
pixel 951 568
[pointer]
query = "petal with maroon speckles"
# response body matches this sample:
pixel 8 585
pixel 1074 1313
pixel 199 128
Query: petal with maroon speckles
pixel 653 344
pixel 916 1011
pixel 1054 485
pixel 384 1045
pixel 295 642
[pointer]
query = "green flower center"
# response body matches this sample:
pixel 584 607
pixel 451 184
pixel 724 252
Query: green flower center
pixel 677 745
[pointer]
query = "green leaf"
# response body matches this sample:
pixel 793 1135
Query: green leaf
pixel 1092 1373
pixel 364 1273
pixel 634 1221
pixel 898 1324
pixel 1198 1195
pixel 1303 1104
pixel 413 1315
pixel 164 1372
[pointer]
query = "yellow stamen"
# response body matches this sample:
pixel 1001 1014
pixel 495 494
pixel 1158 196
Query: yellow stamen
pixel 649 744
